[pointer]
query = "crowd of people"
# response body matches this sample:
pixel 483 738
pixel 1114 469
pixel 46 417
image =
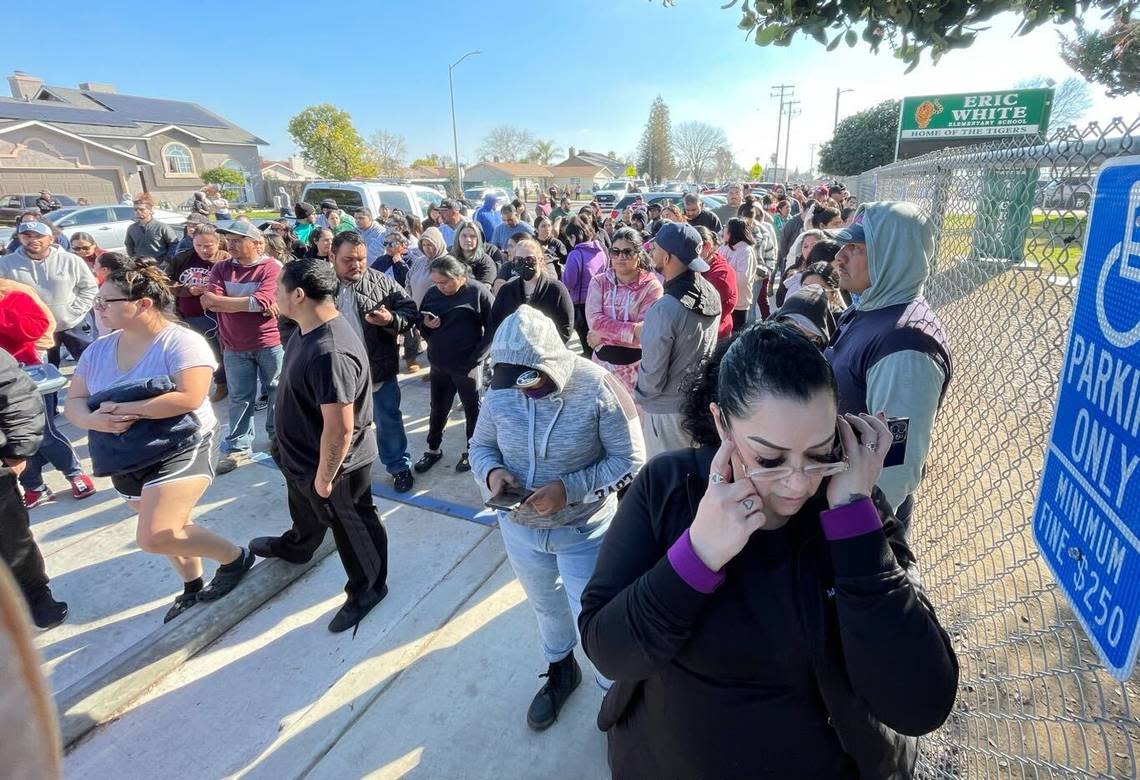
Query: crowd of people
pixel 681 416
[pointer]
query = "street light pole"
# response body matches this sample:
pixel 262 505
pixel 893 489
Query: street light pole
pixel 838 92
pixel 811 165
pixel 454 132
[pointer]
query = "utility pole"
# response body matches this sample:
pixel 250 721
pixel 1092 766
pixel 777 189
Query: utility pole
pixel 454 132
pixel 792 112
pixel 838 92
pixel 781 91
pixel 811 165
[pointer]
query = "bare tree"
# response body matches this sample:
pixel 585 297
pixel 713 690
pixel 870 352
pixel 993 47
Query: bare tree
pixel 724 165
pixel 1072 98
pixel 390 149
pixel 695 145
pixel 508 143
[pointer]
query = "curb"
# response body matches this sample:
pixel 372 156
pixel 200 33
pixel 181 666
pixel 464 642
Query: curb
pixel 101 695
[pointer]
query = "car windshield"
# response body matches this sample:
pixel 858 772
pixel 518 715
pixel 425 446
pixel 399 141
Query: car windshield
pixel 615 185
pixel 475 194
pixel 59 214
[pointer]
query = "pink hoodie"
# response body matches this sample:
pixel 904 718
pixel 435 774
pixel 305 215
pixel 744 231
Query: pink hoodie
pixel 613 309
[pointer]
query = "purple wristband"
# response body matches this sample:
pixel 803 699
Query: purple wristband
pixel 854 519
pixel 690 568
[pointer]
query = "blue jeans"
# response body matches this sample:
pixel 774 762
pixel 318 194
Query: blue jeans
pixel 243 369
pixel 55 449
pixel 208 327
pixel 390 435
pixel 554 565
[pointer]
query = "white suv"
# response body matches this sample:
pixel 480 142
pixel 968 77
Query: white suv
pixel 352 195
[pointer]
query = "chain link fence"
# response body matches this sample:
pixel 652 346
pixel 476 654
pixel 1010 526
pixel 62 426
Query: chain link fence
pixel 1034 701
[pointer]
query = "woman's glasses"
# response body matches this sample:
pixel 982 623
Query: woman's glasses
pixel 836 463
pixel 623 253
pixel 82 247
pixel 100 302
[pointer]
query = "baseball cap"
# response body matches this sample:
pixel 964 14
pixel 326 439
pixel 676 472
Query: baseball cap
pixel 513 376
pixel 852 234
pixel 33 227
pixel 243 229
pixel 328 203
pixel 447 203
pixel 683 241
pixel 819 192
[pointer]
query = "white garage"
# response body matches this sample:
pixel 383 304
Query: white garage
pixel 98 185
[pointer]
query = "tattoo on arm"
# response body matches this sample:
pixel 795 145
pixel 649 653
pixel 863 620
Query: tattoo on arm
pixel 332 456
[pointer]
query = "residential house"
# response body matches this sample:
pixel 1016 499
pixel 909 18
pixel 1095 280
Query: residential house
pixel 584 176
pixel 295 169
pixel 524 177
pixel 95 143
pixel 580 159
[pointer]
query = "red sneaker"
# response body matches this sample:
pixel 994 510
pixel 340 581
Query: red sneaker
pixel 34 498
pixel 81 486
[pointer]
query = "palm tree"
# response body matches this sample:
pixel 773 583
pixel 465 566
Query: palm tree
pixel 544 151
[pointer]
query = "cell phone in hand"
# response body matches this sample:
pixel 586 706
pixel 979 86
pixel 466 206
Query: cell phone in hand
pixel 510 498
pixel 900 429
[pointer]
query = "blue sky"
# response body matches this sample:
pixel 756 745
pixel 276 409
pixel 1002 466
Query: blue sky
pixel 581 73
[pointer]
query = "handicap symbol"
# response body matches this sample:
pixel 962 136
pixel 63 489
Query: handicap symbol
pixel 1127 253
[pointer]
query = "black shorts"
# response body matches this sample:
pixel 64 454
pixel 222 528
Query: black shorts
pixel 198 461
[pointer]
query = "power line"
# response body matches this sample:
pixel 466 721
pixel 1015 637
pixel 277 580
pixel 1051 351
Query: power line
pixel 781 91
pixel 793 112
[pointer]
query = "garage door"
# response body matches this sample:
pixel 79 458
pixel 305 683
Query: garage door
pixel 98 186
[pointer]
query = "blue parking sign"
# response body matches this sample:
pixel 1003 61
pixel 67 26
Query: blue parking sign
pixel 1087 517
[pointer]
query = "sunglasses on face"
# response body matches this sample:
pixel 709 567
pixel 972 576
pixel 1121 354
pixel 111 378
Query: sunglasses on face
pixel 623 252
pixel 528 259
pixel 81 247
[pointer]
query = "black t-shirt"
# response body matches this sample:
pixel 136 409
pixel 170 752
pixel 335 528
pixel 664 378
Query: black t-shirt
pixel 327 365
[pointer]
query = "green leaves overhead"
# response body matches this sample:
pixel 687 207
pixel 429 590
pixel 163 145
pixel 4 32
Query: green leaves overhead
pixel 935 27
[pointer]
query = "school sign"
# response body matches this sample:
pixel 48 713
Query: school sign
pixel 931 122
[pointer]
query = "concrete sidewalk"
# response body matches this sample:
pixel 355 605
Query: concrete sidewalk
pixel 435 683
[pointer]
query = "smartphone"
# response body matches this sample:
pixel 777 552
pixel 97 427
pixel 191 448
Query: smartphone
pixel 899 428
pixel 510 498
pixel 896 453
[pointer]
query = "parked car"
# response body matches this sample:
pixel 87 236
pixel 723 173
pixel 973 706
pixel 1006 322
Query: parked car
pixel 611 193
pixel 349 195
pixel 473 196
pixel 1071 194
pixel 11 206
pixel 107 224
pixel 710 201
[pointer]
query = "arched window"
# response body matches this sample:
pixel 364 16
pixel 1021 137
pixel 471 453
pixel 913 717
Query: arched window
pixel 177 159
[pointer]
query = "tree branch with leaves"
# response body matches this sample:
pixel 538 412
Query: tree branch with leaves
pixel 329 142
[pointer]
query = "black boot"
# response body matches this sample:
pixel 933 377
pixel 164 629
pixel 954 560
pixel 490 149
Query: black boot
pixel 562 677
pixel 46 611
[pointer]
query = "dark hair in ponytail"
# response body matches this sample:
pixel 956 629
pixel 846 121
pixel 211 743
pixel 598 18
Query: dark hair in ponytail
pixel 144 280
pixel 770 359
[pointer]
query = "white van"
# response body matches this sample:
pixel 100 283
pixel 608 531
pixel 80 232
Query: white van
pixel 350 195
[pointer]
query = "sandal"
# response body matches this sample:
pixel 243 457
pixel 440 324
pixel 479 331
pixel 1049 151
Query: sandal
pixel 182 603
pixel 427 461
pixel 464 463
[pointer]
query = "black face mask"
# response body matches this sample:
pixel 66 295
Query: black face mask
pixel 528 271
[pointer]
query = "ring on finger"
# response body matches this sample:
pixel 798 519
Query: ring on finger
pixel 872 446
pixel 748 503
pixel 716 479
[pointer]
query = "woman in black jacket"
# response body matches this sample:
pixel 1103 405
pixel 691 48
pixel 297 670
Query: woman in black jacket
pixel 533 286
pixel 455 316
pixel 755 599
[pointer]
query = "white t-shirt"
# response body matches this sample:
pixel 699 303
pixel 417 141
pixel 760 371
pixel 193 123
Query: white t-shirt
pixel 173 350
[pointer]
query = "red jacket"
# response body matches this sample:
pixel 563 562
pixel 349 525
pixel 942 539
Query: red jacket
pixel 723 278
pixel 22 323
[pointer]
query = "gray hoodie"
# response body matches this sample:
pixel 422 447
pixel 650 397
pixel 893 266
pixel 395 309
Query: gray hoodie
pixel 586 433
pixel 906 381
pixel 62 279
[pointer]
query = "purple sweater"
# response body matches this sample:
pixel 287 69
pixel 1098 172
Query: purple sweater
pixel 584 262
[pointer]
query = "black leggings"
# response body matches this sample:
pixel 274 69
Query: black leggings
pixel 739 319
pixel 582 327
pixel 17 547
pixel 444 385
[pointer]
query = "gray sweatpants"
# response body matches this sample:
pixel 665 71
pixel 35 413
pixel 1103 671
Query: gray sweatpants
pixel 663 433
